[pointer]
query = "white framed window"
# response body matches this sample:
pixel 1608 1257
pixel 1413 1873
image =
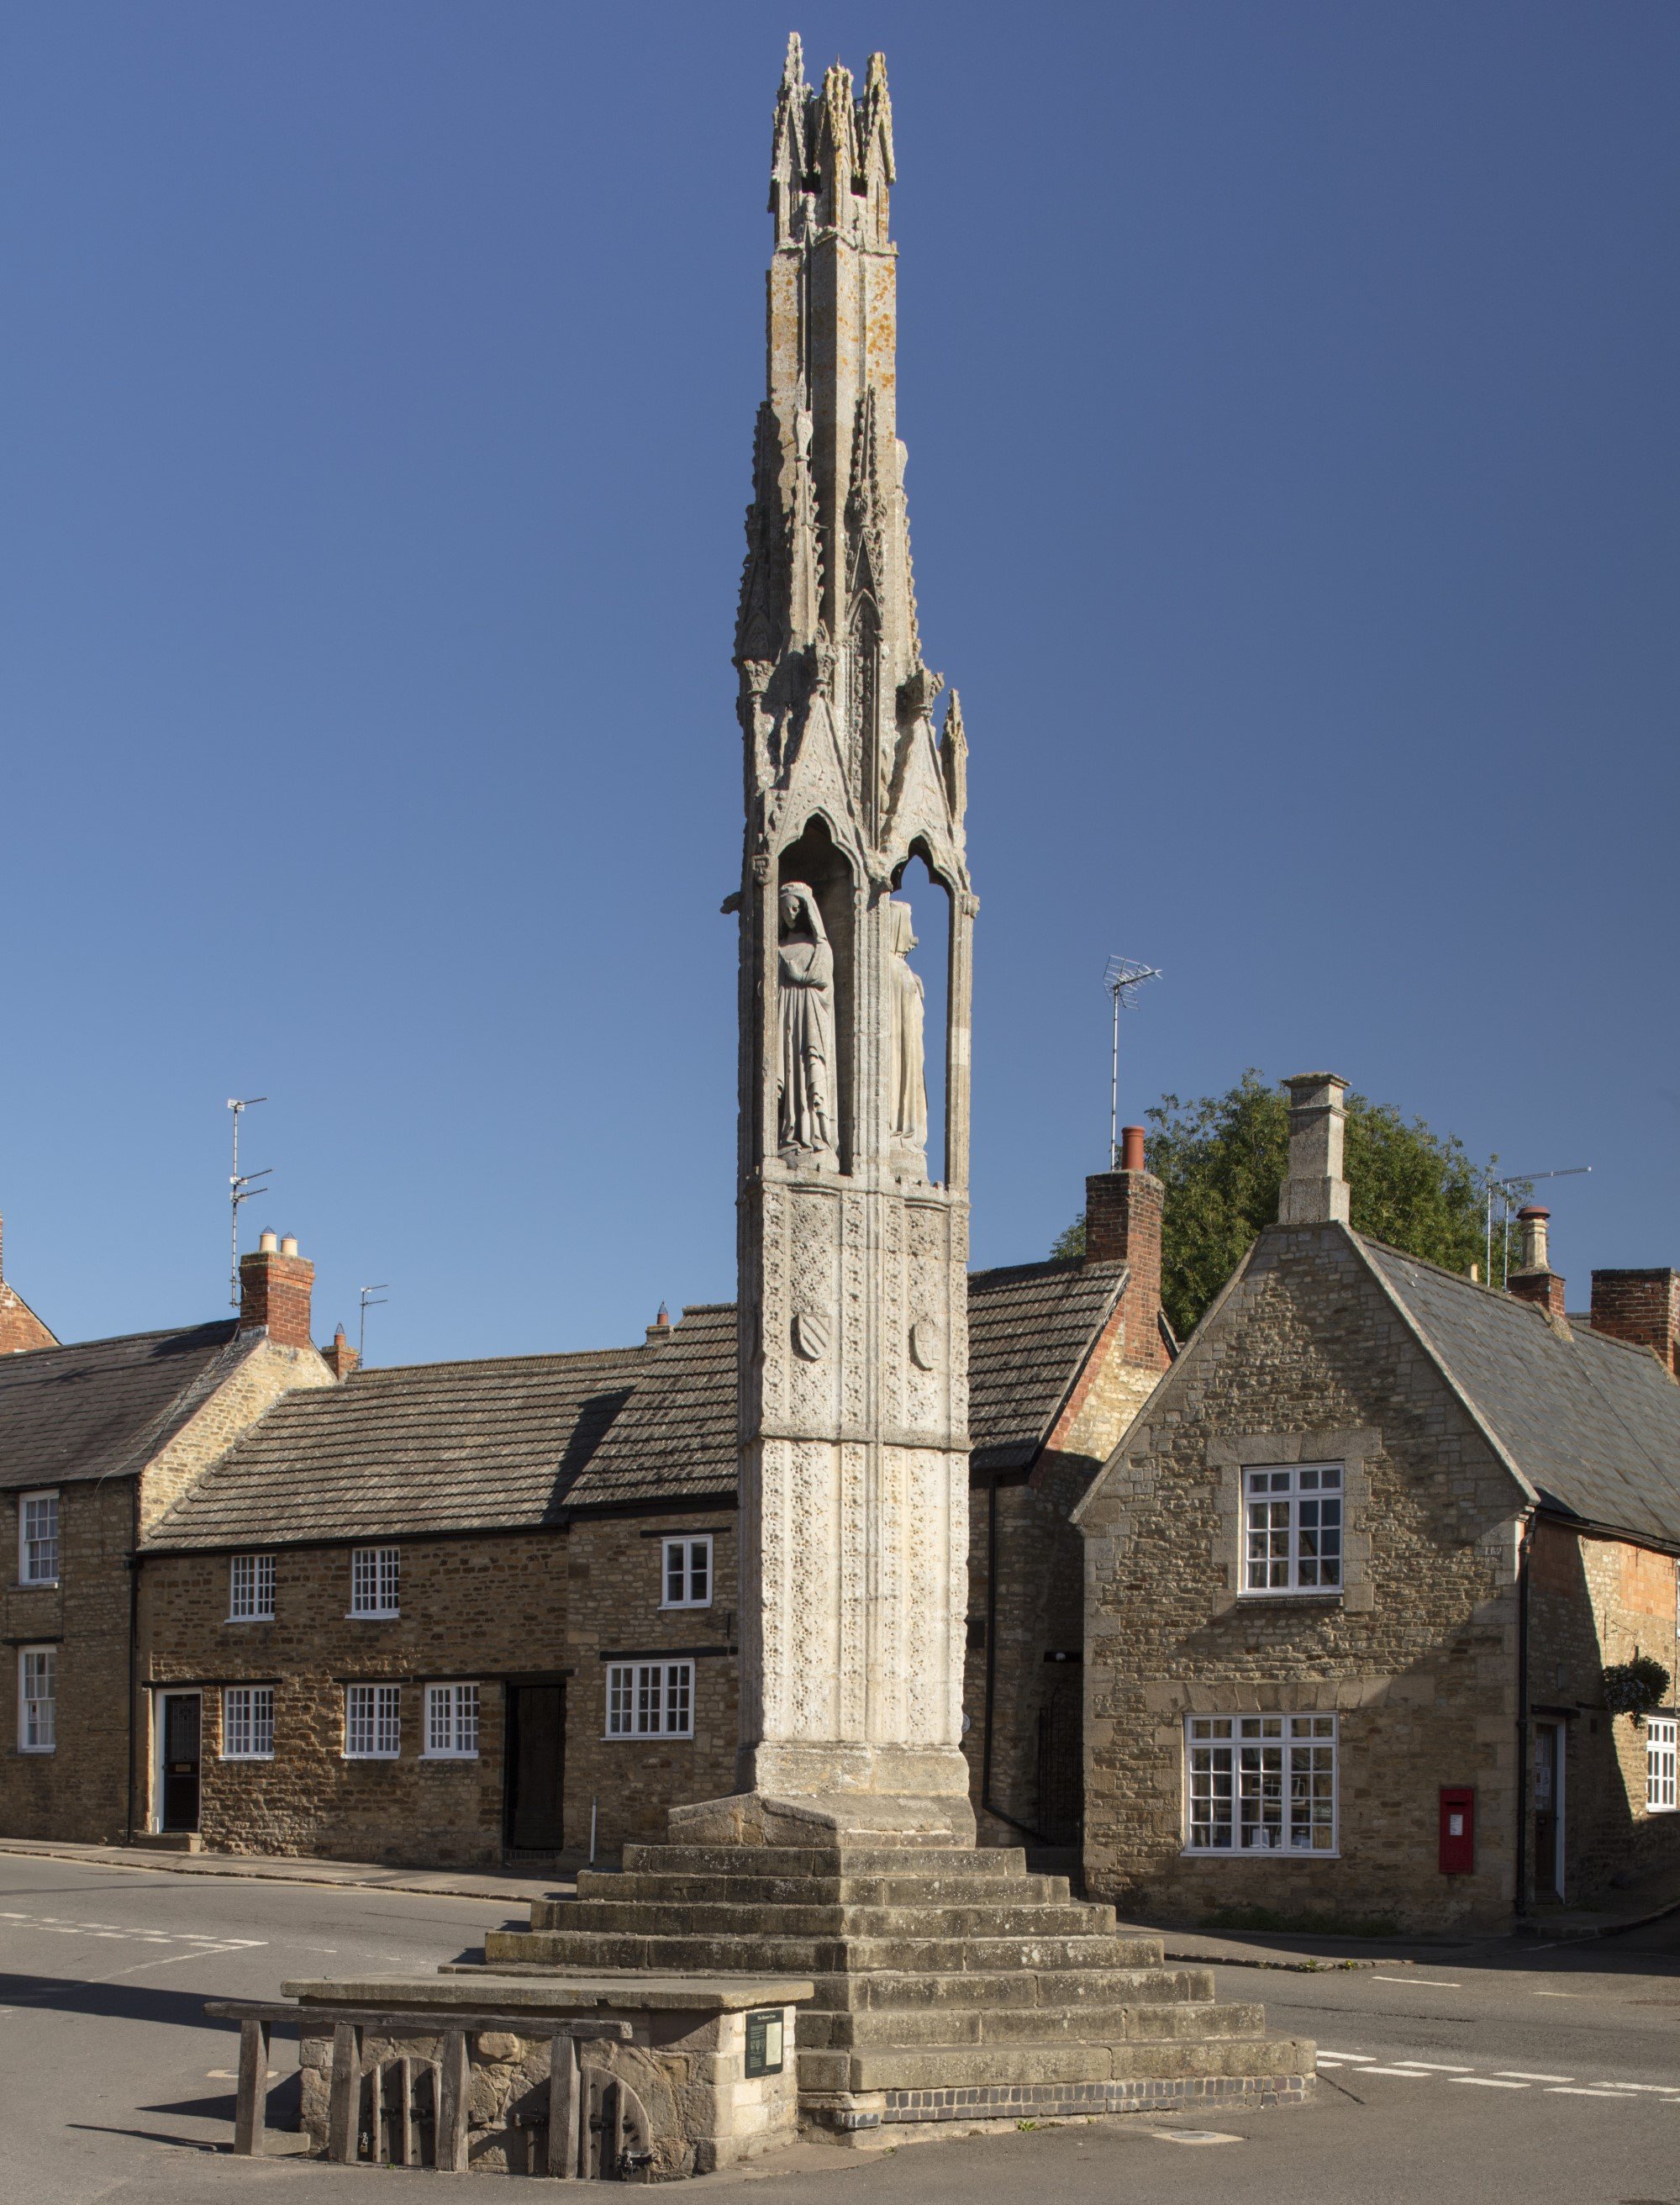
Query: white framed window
pixel 372 1722
pixel 1261 1784
pixel 247 1723
pixel 251 1588
pixel 1662 1742
pixel 38 1538
pixel 451 1723
pixel 688 1572
pixel 38 1699
pixel 375 1574
pixel 650 1699
pixel 1292 1529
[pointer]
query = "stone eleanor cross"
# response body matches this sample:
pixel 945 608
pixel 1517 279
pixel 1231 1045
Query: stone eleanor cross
pixel 854 1264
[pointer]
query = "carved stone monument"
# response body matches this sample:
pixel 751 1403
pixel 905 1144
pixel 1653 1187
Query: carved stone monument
pixel 950 1985
pixel 853 1379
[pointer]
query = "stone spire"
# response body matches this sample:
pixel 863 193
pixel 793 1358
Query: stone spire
pixel 853 1263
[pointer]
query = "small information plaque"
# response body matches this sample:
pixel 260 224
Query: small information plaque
pixel 764 2041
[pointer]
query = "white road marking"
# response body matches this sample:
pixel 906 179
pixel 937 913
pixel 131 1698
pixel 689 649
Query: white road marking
pixel 1522 2075
pixel 1419 1982
pixel 1488 2082
pixel 1561 2091
pixel 1412 2071
pixel 1445 2067
pixel 1192 2136
pixel 1661 2089
pixel 61 1926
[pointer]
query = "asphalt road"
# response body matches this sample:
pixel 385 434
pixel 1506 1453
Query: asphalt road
pixel 1487 2074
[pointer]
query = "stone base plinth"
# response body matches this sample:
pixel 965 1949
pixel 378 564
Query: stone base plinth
pixel 950 1986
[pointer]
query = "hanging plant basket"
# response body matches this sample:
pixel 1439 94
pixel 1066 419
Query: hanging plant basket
pixel 1633 1688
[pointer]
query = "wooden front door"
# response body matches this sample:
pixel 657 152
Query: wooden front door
pixel 181 1757
pixel 535 1766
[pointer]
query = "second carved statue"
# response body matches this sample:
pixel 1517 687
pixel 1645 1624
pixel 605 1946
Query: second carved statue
pixel 909 1071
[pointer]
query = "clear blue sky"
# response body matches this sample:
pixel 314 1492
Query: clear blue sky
pixel 1290 397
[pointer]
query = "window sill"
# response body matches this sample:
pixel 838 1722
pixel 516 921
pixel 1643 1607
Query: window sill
pixel 245 1757
pixel 355 1758
pixel 37 1584
pixel 448 1757
pixel 1270 1853
pixel 682 1606
pixel 249 1619
pixel 1306 1598
pixel 38 1752
pixel 648 1737
pixel 370 1615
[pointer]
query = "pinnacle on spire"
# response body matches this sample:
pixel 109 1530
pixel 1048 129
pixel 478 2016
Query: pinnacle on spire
pixel 831 151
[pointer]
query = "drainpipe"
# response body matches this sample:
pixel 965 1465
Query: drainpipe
pixel 134 1644
pixel 1520 1904
pixel 986 1801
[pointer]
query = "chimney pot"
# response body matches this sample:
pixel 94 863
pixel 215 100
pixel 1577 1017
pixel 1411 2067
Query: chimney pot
pixel 268 1244
pixel 340 1358
pixel 1534 1280
pixel 1315 1192
pixel 288 1247
pixel 1132 1149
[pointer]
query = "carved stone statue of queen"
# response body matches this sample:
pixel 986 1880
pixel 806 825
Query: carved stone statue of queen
pixel 805 1075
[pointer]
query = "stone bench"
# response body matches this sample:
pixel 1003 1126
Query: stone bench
pixel 625 2077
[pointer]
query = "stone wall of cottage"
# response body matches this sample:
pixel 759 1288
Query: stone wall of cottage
pixel 1594 1602
pixel 79 1791
pixel 615 1590
pixel 254 1384
pixel 1306 1360
pixel 472 1609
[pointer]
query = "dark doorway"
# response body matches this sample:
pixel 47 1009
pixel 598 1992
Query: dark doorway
pixel 536 1767
pixel 1548 1811
pixel 182 1728
pixel 1062 1786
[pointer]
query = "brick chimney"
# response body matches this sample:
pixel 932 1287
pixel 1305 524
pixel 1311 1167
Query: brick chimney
pixel 1123 1218
pixel 274 1291
pixel 1641 1306
pixel 340 1358
pixel 661 1329
pixel 21 1329
pixel 1534 1280
pixel 1316 1193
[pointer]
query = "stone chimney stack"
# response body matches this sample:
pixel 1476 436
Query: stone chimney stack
pixel 1642 1307
pixel 1122 1220
pixel 275 1286
pixel 340 1358
pixel 1534 1280
pixel 1316 1193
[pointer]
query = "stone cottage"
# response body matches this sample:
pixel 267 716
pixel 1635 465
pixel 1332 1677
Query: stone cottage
pixel 97 1440
pixel 1355 1574
pixel 468 1611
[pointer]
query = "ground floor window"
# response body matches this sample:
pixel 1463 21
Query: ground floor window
pixel 451 1723
pixel 647 1699
pixel 1261 1784
pixel 247 1723
pixel 1660 1763
pixel 372 1722
pixel 37 1698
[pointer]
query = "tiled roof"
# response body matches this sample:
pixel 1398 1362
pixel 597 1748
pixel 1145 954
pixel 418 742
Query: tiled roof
pixel 1591 1423
pixel 529 1441
pixel 102 1408
pixel 1029 1330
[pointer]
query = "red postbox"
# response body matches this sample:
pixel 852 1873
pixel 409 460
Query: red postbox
pixel 1458 1829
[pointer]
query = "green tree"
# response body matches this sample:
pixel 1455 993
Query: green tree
pixel 1223 1158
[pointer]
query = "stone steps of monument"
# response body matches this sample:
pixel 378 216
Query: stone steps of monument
pixel 964 2067
pixel 1059 1990
pixel 1176 2021
pixel 750 1951
pixel 906 1890
pixel 754 1862
pixel 759 1919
